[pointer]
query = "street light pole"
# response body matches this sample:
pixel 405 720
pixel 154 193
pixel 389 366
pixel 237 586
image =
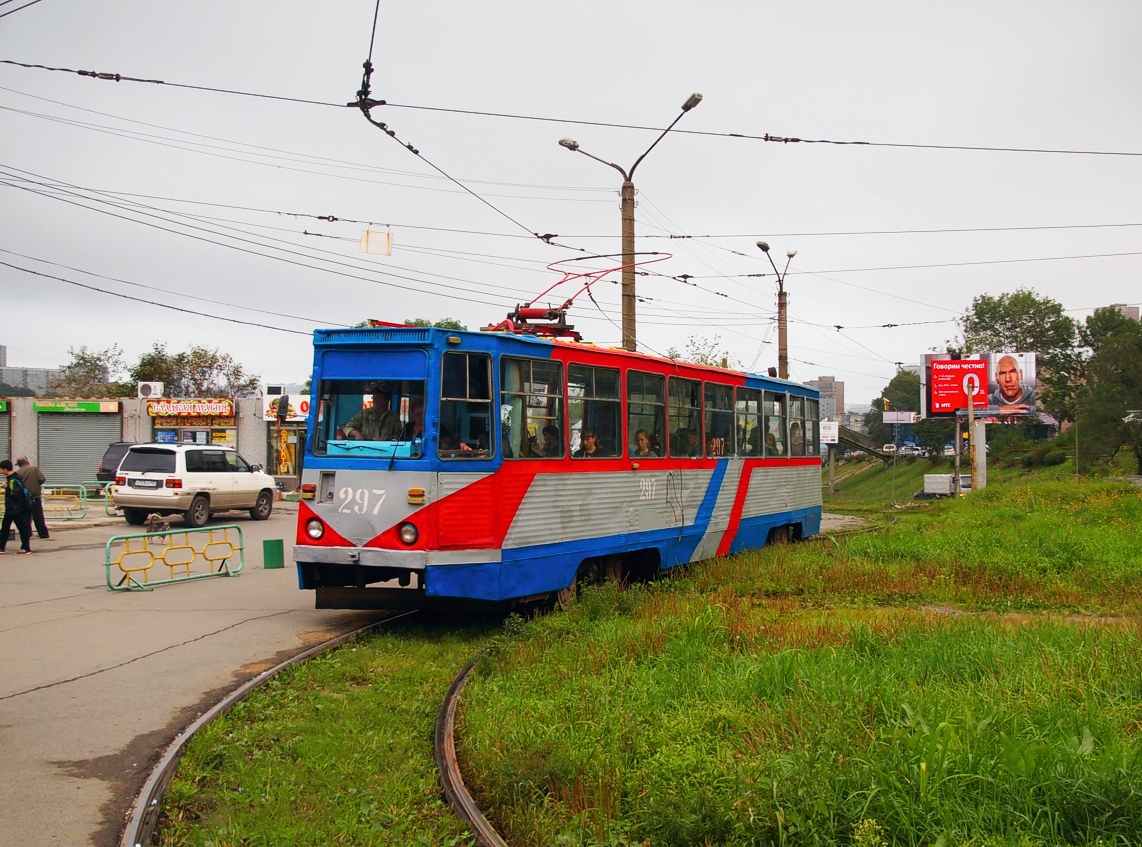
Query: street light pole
pixel 627 209
pixel 782 325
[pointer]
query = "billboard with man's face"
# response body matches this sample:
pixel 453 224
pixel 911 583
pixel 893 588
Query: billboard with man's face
pixel 1011 389
pixel 995 384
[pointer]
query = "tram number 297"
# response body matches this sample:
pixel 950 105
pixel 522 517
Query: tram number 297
pixel 357 500
pixel 646 489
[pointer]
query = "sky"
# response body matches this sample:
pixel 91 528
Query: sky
pixel 1000 148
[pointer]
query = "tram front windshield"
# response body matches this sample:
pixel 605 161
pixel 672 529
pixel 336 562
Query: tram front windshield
pixel 370 418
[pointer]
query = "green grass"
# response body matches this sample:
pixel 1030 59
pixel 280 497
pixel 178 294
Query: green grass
pixel 970 674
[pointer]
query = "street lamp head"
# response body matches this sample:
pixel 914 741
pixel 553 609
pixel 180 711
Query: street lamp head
pixel 763 247
pixel 692 101
pixel 790 253
pixel 569 143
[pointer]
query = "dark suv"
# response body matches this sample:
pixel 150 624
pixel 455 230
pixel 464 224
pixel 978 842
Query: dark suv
pixel 111 459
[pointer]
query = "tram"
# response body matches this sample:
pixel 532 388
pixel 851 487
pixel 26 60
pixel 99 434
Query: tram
pixel 493 468
pixel 488 469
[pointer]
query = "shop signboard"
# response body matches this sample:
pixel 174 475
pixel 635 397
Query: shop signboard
pixel 297 408
pixel 207 408
pixel 95 407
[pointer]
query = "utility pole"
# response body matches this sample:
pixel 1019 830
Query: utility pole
pixel 627 209
pixel 782 325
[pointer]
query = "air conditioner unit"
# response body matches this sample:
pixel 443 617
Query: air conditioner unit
pixel 150 389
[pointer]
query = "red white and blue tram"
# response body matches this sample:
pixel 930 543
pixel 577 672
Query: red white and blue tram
pixel 455 467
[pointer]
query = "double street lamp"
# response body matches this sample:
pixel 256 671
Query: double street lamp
pixel 782 326
pixel 627 207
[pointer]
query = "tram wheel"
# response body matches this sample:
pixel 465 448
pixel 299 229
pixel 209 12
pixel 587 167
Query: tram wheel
pixel 564 597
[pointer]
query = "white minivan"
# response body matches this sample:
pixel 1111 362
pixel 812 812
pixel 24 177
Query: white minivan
pixel 191 480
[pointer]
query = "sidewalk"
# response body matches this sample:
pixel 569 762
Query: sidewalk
pixel 96 683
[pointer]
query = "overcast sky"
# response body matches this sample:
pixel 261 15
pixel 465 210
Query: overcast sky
pixel 205 198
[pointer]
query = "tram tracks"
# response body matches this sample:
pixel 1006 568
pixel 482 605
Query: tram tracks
pixel 143 816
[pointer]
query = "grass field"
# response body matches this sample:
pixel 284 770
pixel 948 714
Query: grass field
pixel 969 673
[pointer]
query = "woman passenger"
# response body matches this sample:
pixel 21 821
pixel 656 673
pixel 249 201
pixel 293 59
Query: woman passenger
pixel 642 444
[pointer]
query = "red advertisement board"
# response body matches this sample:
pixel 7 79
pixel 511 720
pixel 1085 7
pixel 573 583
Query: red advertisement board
pixel 952 382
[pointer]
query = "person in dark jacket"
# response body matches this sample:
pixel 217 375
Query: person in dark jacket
pixel 33 479
pixel 16 510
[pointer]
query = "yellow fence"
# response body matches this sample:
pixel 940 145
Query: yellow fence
pixel 141 561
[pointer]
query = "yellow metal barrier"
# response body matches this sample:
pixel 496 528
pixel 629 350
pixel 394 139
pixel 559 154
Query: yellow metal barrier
pixel 185 553
pixel 64 502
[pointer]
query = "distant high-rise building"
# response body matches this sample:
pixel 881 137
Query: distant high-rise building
pixel 33 379
pixel 832 397
pixel 1126 311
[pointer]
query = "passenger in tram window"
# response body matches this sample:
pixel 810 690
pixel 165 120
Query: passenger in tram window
pixel 551 443
pixel 642 445
pixel 589 445
pixel 415 426
pixel 771 448
pixel 688 446
pixel 796 440
pixel 376 422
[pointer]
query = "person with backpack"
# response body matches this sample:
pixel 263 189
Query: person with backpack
pixel 17 508
pixel 33 479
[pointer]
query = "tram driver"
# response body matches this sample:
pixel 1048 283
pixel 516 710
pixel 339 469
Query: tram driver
pixel 376 422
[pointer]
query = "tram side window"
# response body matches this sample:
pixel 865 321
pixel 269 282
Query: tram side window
pixel 774 424
pixel 531 408
pixel 685 417
pixel 594 402
pixel 719 420
pixel 812 428
pixel 466 406
pixel 646 414
pixel 796 426
pixel 747 410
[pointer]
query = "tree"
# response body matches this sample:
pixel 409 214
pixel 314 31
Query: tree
pixel 1025 322
pixel 1109 401
pixel 7 390
pixel 198 372
pixel 902 394
pixel 704 351
pixel 443 323
pixel 93 373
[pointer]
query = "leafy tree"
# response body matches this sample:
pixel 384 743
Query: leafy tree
pixel 197 372
pixel 1109 401
pixel 7 390
pixel 443 323
pixel 902 394
pixel 704 351
pixel 93 373
pixel 1024 321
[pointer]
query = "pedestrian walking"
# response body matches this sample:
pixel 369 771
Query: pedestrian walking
pixel 17 509
pixel 33 479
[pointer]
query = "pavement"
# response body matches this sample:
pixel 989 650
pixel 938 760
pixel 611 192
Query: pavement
pixel 95 684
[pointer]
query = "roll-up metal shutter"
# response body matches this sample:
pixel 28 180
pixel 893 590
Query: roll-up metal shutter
pixel 6 436
pixel 70 446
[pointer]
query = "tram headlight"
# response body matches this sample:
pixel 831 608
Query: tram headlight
pixel 314 529
pixel 409 533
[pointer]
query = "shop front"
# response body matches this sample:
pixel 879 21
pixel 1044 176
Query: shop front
pixel 194 421
pixel 5 429
pixel 285 436
pixel 72 436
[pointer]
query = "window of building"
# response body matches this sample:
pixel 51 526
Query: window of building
pixel 646 414
pixel 531 408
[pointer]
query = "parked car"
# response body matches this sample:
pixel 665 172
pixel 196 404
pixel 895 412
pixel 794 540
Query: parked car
pixel 194 481
pixel 110 461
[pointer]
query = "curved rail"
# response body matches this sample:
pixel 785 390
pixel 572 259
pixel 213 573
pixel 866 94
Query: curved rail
pixel 451 782
pixel 141 823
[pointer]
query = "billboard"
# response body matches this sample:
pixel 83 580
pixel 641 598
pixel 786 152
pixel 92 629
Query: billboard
pixel 994 384
pixel 1011 389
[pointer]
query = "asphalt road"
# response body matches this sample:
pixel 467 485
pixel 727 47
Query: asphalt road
pixel 96 683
